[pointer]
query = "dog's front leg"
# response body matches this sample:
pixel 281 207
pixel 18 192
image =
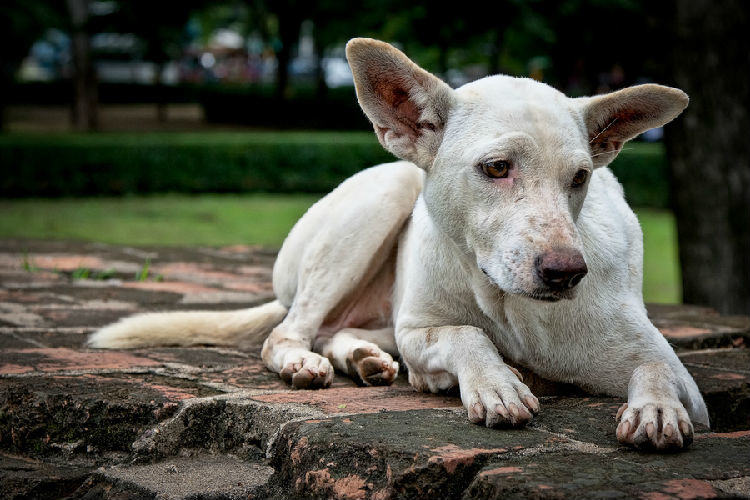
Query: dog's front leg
pixel 654 416
pixel 491 391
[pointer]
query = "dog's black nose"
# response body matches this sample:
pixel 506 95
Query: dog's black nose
pixel 561 269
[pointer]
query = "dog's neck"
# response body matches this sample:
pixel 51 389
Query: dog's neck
pixel 464 271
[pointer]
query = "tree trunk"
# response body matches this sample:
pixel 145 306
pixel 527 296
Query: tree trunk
pixel 321 87
pixel 289 27
pixel 6 84
pixel 496 50
pixel 709 152
pixel 442 62
pixel 85 104
pixel 161 91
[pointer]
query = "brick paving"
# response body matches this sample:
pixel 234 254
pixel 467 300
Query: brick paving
pixel 210 422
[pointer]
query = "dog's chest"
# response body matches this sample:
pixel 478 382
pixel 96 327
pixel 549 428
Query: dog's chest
pixel 491 303
pixel 539 339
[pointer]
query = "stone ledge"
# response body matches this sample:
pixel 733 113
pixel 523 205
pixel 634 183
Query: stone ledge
pixel 116 424
pixel 201 476
pixel 569 451
pixel 190 397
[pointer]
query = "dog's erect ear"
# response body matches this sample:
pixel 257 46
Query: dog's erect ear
pixel 407 105
pixel 612 119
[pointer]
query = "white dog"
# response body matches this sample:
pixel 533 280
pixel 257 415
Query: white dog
pixel 501 236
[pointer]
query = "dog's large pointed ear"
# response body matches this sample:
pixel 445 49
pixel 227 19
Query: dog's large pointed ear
pixel 612 119
pixel 407 105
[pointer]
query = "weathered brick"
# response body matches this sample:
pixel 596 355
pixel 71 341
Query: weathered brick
pixel 74 409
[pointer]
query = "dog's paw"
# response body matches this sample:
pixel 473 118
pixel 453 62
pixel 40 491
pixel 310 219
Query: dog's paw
pixel 497 397
pixel 371 366
pixel 308 371
pixel 654 426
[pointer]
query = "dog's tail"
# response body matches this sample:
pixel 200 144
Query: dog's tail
pixel 228 328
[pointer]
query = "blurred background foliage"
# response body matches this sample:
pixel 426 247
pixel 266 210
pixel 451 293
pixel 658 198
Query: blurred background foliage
pixel 231 56
pixel 103 98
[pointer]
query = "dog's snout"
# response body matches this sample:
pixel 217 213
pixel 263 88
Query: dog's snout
pixel 561 269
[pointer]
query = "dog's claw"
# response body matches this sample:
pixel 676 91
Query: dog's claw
pixel 503 398
pixel 476 414
pixel 655 426
pixel 286 374
pixel 518 374
pixel 622 408
pixel 668 430
pixel 311 372
pixel 686 428
pixel 623 429
pixel 371 366
pixel 502 410
pixel 513 410
pixel 532 403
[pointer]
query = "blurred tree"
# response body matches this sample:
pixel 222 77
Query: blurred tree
pixel 86 100
pixel 288 16
pixel 335 22
pixel 161 27
pixel 436 37
pixel 588 39
pixel 440 28
pixel 22 22
pixel 501 16
pixel 709 150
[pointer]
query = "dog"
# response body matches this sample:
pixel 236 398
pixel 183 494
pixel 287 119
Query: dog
pixel 500 236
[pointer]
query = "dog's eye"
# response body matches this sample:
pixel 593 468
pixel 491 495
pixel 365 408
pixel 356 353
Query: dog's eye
pixel 495 169
pixel 580 178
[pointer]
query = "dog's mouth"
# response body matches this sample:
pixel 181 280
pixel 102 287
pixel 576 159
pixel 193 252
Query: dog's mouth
pixel 547 295
pixel 541 294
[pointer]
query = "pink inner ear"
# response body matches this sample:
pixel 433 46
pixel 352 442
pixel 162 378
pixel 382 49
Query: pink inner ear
pixel 394 92
pixel 619 127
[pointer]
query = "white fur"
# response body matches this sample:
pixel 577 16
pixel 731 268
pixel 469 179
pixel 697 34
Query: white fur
pixel 444 258
pixel 191 328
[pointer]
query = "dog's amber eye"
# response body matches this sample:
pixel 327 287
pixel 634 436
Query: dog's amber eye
pixel 580 178
pixel 496 169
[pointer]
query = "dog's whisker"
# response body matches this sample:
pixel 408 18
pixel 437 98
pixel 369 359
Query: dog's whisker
pixel 610 152
pixel 603 130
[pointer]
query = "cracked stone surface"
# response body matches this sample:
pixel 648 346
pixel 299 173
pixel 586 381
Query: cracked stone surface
pixel 213 423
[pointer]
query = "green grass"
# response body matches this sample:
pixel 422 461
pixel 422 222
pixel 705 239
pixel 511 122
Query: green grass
pixel 257 219
pixel 661 267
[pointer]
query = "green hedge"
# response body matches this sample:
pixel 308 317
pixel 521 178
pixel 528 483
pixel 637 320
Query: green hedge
pixel 644 173
pixel 312 162
pixel 115 164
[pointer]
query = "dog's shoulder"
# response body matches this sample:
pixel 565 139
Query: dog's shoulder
pixel 607 223
pixel 607 200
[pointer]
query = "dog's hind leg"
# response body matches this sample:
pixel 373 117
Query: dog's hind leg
pixel 330 257
pixel 364 355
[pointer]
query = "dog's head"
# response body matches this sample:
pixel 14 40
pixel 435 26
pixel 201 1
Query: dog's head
pixel 508 160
